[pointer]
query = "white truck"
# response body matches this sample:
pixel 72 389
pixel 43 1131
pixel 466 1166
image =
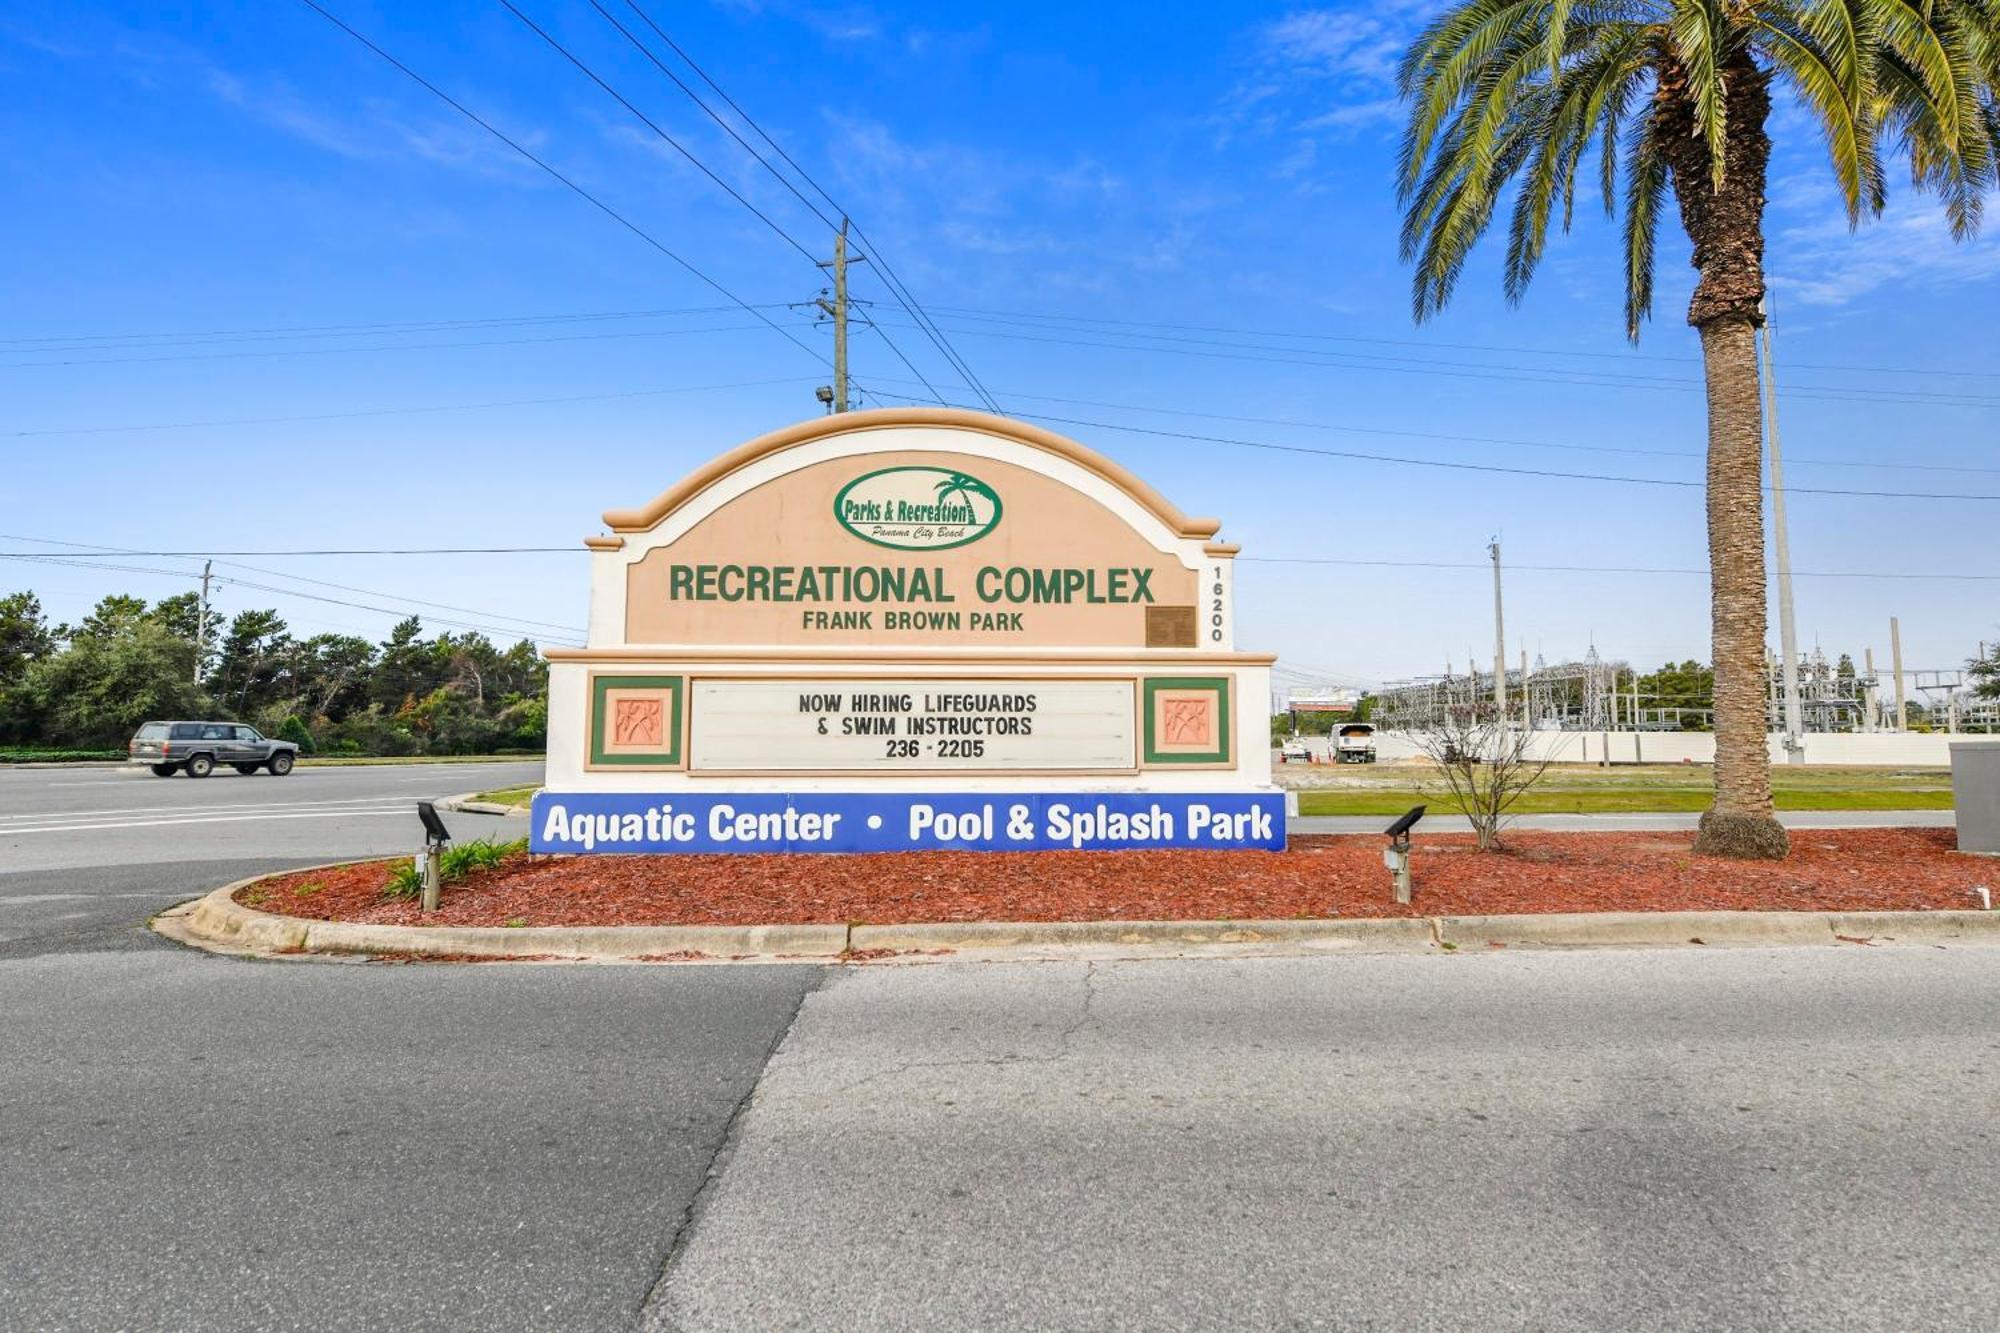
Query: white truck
pixel 1354 743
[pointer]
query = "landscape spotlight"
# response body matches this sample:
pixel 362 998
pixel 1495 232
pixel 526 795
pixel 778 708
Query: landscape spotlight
pixel 1396 855
pixel 435 833
pixel 1400 830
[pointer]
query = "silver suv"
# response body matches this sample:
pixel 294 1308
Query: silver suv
pixel 197 747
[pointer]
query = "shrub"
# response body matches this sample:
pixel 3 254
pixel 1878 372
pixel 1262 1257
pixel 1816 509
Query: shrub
pixel 292 729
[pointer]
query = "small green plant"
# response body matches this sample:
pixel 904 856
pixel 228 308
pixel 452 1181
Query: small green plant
pixel 517 922
pixel 254 897
pixel 405 881
pixel 466 857
pixel 308 889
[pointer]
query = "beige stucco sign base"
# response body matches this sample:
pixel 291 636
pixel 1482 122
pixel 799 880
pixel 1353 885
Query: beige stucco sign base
pixel 908 607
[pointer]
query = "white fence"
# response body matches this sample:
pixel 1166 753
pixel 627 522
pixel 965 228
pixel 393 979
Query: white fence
pixel 1869 749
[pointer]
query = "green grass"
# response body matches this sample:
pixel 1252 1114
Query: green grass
pixel 337 760
pixel 43 754
pixel 1647 789
pixel 1615 802
pixel 55 754
pixel 518 797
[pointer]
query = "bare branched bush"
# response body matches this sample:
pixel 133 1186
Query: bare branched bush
pixel 1484 762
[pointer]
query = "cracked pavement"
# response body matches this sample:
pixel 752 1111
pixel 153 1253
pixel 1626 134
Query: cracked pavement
pixel 1633 1140
pixel 1744 1138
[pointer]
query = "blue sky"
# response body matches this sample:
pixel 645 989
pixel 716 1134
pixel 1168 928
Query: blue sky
pixel 245 176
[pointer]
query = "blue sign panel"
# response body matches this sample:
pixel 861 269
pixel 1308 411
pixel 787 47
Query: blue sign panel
pixel 852 822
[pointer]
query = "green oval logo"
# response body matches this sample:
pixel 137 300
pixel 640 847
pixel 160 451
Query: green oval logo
pixel 917 508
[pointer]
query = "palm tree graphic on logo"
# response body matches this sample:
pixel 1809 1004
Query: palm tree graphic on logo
pixel 965 488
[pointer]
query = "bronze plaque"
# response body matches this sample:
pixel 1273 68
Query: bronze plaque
pixel 1170 627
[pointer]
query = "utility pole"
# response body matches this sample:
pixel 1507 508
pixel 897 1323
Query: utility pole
pixel 201 621
pixel 1499 640
pixel 1896 664
pixel 1781 543
pixel 1871 693
pixel 836 309
pixel 1527 708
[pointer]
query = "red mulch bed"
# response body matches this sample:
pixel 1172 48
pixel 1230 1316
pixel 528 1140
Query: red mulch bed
pixel 1831 870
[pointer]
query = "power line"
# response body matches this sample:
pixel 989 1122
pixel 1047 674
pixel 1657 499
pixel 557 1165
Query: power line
pixel 1460 347
pixel 90 548
pixel 89 560
pixel 571 185
pixel 1457 466
pixel 653 125
pixel 371 550
pixel 890 278
pixel 706 110
pixel 406 411
pixel 1590 569
pixel 1451 438
pixel 399 597
pixel 1216 350
pixel 377 347
pixel 400 613
pixel 882 333
pixel 275 333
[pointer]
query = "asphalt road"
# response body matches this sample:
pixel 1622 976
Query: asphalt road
pixel 1635 1140
pixel 87 854
pixel 190 1142
pixel 1622 1140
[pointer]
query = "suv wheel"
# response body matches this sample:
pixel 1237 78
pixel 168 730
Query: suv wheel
pixel 200 766
pixel 281 763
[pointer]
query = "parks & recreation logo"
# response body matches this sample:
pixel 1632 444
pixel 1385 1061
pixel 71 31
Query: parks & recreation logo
pixel 917 508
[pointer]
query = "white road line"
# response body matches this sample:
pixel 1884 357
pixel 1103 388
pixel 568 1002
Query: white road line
pixel 47 815
pixel 11 900
pixel 397 812
pixel 139 774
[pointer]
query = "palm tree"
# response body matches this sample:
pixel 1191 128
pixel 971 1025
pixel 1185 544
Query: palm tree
pixel 965 488
pixel 1677 94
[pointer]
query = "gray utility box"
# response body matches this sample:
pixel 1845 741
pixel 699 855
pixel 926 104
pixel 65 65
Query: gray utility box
pixel 1975 790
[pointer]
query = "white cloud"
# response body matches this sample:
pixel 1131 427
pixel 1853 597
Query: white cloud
pixel 1315 74
pixel 1820 262
pixel 1364 42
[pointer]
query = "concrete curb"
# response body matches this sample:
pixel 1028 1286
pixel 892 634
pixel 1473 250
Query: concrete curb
pixel 464 803
pixel 1386 933
pixel 217 922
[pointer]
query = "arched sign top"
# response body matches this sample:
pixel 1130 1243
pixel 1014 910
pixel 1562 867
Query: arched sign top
pixel 965 492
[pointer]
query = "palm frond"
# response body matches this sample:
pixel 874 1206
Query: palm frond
pixel 1698 32
pixel 1645 190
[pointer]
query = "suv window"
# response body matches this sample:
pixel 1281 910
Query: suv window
pixel 152 731
pixel 247 734
pixel 215 733
pixel 187 731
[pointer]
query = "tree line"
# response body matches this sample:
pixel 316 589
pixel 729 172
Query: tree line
pixel 90 685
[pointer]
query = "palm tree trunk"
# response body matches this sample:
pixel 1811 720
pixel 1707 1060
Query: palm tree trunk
pixel 1741 822
pixel 1725 221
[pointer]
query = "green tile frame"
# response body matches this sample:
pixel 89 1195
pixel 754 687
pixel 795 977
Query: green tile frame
pixel 1152 685
pixel 600 685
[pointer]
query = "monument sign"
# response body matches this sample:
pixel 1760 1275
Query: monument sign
pixel 908 628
